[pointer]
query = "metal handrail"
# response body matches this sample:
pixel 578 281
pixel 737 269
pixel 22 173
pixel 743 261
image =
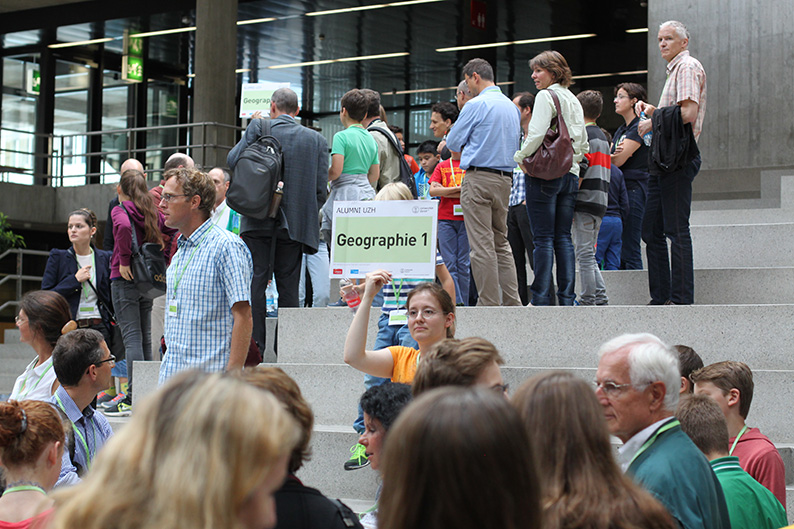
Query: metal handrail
pixel 19 276
pixel 58 158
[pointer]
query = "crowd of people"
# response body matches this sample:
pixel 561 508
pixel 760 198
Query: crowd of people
pixel 219 446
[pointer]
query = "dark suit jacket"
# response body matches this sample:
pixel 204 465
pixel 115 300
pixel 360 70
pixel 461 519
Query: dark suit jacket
pixel 305 179
pixel 60 271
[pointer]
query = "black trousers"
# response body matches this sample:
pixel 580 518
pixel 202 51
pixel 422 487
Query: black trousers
pixel 286 268
pixel 519 235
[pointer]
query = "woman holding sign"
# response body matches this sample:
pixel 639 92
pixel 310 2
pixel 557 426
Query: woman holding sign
pixel 430 317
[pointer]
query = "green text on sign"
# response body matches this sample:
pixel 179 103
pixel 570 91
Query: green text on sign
pixel 382 239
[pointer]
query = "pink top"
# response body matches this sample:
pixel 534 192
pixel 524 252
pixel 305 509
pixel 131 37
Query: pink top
pixel 40 520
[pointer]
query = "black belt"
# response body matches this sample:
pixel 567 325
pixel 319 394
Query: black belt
pixel 88 322
pixel 489 170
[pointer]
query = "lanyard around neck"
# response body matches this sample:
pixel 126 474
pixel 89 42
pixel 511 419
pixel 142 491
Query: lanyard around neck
pixel 80 435
pixel 21 488
pixel 178 279
pixel 736 441
pixel 92 274
pixel 25 382
pixel 649 442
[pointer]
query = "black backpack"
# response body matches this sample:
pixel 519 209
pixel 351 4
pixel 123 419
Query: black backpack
pixel 406 176
pixel 256 175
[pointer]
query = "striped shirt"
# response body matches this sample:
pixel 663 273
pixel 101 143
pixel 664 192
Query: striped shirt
pixel 91 431
pixel 686 79
pixel 210 272
pixel 395 293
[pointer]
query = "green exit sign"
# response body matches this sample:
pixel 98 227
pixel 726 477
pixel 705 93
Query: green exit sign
pixel 132 62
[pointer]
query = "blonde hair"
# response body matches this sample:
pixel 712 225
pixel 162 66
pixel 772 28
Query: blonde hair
pixel 190 457
pixel 394 191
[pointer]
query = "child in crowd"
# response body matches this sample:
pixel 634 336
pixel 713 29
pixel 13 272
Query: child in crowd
pixel 453 242
pixel 591 201
pixel 442 116
pixel 610 236
pixel 354 167
pixel 428 159
pixel 398 133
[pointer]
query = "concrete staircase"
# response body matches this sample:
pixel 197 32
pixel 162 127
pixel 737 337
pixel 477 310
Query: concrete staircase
pixel 744 260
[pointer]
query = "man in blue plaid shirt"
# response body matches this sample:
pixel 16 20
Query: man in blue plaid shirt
pixel 208 313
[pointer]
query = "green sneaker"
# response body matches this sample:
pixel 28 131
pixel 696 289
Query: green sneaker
pixel 358 459
pixel 122 408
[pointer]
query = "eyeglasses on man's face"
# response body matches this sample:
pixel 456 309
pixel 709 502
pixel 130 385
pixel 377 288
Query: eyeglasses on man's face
pixel 168 197
pixel 111 359
pixel 610 389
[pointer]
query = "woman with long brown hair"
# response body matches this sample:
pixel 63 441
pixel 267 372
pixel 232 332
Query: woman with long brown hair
pixel 583 488
pixel 136 210
pixel 31 447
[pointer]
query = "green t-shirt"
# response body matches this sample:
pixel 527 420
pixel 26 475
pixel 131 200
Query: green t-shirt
pixel 358 147
pixel 750 504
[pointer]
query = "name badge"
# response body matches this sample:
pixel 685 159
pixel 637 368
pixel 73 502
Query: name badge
pixel 398 317
pixel 86 308
pixel 457 209
pixel 172 309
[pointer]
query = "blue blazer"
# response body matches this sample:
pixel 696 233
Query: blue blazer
pixel 60 271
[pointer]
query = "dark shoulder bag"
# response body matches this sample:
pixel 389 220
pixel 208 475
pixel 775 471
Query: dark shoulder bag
pixel 147 263
pixel 554 157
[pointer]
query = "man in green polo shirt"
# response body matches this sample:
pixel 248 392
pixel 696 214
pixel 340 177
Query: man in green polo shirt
pixel 750 504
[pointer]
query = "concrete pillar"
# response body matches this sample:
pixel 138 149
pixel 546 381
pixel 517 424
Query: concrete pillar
pixel 746 50
pixel 215 81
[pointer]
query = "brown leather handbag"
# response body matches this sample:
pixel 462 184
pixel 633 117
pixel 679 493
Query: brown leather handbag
pixel 554 157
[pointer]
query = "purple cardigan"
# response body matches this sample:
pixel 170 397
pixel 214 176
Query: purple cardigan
pixel 122 234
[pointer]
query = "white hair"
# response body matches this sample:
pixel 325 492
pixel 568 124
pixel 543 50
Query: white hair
pixel 650 360
pixel 679 28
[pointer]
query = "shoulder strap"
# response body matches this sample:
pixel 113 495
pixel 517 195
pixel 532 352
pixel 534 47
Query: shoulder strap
pixel 392 139
pixel 348 518
pixel 135 248
pixel 563 127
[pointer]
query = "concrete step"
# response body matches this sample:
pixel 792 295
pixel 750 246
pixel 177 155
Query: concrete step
pixel 743 245
pixel 14 351
pixel 720 286
pixel 563 337
pixel 11 336
pixel 774 205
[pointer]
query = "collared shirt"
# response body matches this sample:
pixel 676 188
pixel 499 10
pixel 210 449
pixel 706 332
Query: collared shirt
pixel 686 79
pixel 487 131
pixel 210 272
pixel 630 448
pixel 225 217
pixel 94 429
pixel 518 193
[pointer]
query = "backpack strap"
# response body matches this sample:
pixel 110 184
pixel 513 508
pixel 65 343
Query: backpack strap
pixel 348 517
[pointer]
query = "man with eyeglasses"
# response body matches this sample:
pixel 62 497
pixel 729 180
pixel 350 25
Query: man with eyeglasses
pixel 208 283
pixel 82 362
pixel 637 384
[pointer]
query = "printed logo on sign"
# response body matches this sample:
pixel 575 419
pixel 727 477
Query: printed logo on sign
pixel 337 271
pixel 354 271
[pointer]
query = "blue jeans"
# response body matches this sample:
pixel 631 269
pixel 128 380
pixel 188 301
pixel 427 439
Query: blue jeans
pixel 550 206
pixel 609 243
pixel 667 216
pixel 453 243
pixel 134 314
pixel 318 272
pixel 631 253
pixel 388 335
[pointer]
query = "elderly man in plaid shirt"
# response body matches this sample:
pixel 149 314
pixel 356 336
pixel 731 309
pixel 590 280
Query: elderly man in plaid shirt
pixel 670 195
pixel 208 313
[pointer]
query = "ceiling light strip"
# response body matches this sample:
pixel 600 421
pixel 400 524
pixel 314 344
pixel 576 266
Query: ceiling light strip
pixel 637 30
pixel 517 42
pixel 611 74
pixel 342 59
pixel 164 32
pixel 82 43
pixel 369 7
pixel 255 21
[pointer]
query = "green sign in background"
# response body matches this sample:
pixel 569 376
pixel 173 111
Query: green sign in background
pixel 421 228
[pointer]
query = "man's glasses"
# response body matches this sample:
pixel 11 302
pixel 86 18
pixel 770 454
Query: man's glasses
pixel 610 389
pixel 168 197
pixel 111 359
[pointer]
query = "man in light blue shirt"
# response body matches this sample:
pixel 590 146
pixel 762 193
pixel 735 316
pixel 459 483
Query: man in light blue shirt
pixel 82 362
pixel 208 319
pixel 487 133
